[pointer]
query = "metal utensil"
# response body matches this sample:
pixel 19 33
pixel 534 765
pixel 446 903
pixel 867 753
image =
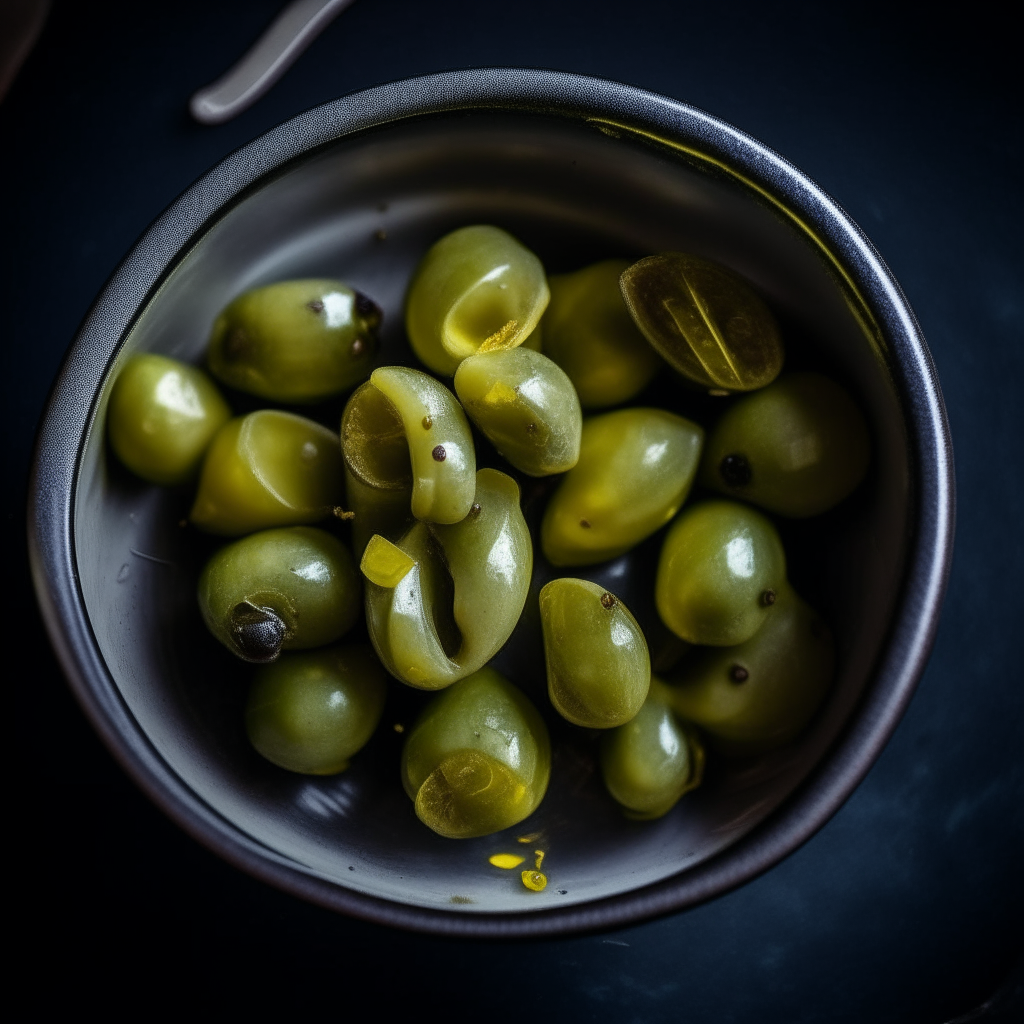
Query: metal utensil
pixel 266 61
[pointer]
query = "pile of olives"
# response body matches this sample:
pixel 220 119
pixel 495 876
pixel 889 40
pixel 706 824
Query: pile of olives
pixel 433 553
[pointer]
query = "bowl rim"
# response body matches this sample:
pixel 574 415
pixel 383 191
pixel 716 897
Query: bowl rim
pixel 617 109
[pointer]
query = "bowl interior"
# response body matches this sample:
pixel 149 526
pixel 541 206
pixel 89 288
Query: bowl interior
pixel 364 210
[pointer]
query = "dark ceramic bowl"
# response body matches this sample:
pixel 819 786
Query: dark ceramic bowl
pixel 579 169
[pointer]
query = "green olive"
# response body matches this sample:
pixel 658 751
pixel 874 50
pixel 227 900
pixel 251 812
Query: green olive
pixel 525 405
pixel 279 589
pixel 634 472
pixel 598 666
pixel 476 287
pixel 269 468
pixel 761 694
pixel 442 601
pixel 721 568
pixel 652 760
pixel 705 320
pixel 311 712
pixel 295 341
pixel 588 331
pixel 162 417
pixel 404 432
pixel 478 759
pixel 796 448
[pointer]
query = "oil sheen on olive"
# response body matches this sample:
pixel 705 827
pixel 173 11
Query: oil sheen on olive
pixel 721 567
pixel 525 406
pixel 443 600
pixel 477 287
pixel 761 694
pixel 269 468
pixel 405 436
pixel 634 473
pixel 797 448
pixel 162 416
pixel 280 590
pixel 478 759
pixel 705 320
pixel 311 712
pixel 598 666
pixel 589 332
pixel 652 760
pixel 295 341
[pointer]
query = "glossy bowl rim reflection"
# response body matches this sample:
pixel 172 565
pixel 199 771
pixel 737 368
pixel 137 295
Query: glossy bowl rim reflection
pixel 613 106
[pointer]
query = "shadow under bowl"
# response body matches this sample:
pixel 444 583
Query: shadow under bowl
pixel 579 169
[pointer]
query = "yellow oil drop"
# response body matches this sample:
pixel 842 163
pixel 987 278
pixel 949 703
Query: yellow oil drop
pixel 531 838
pixel 507 861
pixel 535 881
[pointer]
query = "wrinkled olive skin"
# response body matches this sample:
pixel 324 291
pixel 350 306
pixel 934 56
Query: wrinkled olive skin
pixel 162 417
pixel 635 470
pixel 280 590
pixel 721 568
pixel 476 285
pixel 707 322
pixel 295 341
pixel 403 431
pixel 311 712
pixel 458 605
pixel 652 760
pixel 797 448
pixel 269 468
pixel 598 665
pixel 478 760
pixel 761 694
pixel 588 331
pixel 525 406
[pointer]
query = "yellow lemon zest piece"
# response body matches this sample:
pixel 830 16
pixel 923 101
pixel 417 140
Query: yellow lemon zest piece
pixel 501 339
pixel 385 563
pixel 535 881
pixel 531 838
pixel 507 861
pixel 539 854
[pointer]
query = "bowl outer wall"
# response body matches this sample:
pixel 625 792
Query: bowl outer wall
pixel 62 437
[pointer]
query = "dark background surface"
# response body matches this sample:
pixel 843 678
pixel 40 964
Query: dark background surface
pixel 908 905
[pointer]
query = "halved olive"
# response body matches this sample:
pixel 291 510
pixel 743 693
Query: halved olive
pixel 478 759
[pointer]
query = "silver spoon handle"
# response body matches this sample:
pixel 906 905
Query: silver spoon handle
pixel 268 59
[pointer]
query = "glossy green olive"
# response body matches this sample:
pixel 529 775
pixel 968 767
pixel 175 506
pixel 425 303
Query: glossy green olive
pixel 478 759
pixel 720 570
pixel 311 712
pixel 462 593
pixel 269 468
pixel 403 431
pixel 588 331
pixel 295 341
pixel 598 665
pixel 796 448
pixel 634 472
pixel 162 417
pixel 526 407
pixel 761 694
pixel 705 320
pixel 652 760
pixel 475 287
pixel 280 589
